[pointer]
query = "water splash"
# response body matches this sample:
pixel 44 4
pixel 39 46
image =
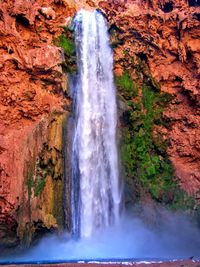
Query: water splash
pixel 96 191
pixel 130 240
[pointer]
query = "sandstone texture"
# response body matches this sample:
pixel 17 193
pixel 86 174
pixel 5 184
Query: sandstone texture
pixel 34 102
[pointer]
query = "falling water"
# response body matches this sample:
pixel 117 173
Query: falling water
pixel 95 187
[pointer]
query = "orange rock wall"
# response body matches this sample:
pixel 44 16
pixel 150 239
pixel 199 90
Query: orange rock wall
pixel 30 89
pixel 170 44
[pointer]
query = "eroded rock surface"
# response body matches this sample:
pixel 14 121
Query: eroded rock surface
pixel 166 35
pixel 31 89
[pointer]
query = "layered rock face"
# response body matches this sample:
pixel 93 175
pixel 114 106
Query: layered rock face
pixel 34 103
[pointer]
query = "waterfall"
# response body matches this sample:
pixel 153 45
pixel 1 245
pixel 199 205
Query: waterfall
pixel 96 192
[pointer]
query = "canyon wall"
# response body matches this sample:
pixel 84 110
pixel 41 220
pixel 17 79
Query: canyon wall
pixel 155 43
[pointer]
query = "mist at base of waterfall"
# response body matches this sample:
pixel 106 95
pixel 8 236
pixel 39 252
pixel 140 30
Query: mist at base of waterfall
pixel 173 236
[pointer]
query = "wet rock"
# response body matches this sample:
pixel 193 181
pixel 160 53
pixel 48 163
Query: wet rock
pixel 43 184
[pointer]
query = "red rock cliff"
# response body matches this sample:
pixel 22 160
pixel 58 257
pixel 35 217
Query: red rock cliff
pixel 31 94
pixel 166 34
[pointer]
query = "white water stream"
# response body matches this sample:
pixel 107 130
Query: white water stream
pixel 96 192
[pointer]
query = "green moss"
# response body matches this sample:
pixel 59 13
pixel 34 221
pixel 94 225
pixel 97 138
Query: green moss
pixel 39 185
pixel 127 155
pixel 126 85
pixel 143 155
pixel 182 200
pixel 66 28
pixel 66 43
pixel 35 186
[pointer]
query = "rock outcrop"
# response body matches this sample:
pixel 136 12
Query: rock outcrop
pixel 163 34
pixel 31 95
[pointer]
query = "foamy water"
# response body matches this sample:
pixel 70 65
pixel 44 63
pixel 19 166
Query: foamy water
pixel 95 191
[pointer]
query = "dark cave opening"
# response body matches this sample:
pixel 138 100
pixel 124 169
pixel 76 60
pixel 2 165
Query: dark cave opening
pixel 143 56
pixel 196 16
pixel 167 7
pixel 22 20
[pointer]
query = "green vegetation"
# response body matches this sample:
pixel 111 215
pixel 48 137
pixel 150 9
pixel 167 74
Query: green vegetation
pixel 66 43
pixel 35 186
pixel 126 85
pixel 143 153
pixel 66 28
pixel 39 185
pixel 182 201
pixel 35 181
pixel 140 153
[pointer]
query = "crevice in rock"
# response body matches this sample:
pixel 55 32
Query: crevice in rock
pixel 114 28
